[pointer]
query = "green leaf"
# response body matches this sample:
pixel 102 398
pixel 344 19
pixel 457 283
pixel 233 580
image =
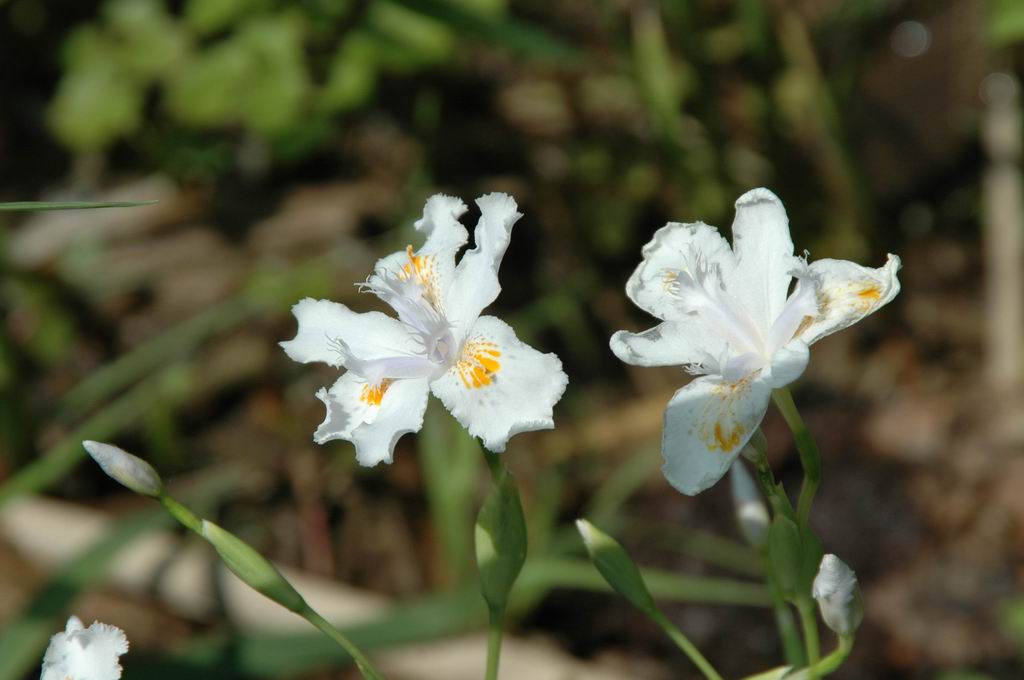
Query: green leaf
pixel 206 91
pixel 408 39
pixel 509 33
pixel 94 106
pixel 352 77
pixel 210 16
pixel 500 538
pixel 1005 22
pixel 277 83
pixel 146 41
pixel 68 205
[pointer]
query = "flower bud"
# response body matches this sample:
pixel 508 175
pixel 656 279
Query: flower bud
pixel 616 566
pixel 126 469
pixel 252 567
pixel 500 536
pixel 838 595
pixel 751 512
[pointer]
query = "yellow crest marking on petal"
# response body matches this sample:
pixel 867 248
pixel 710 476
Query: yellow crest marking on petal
pixel 727 439
pixel 421 269
pixel 720 430
pixel 868 296
pixel 374 394
pixel 479 363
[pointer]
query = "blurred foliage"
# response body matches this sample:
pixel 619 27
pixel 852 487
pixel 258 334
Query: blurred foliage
pixel 605 119
pixel 274 69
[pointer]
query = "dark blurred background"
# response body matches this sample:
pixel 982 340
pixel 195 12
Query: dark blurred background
pixel 290 144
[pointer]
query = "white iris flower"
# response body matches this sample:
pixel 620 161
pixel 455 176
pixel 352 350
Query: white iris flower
pixel 729 317
pixel 494 385
pixel 81 653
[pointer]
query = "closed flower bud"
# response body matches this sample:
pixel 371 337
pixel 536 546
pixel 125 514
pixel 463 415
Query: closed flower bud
pixel 251 567
pixel 126 469
pixel 616 566
pixel 751 513
pixel 838 595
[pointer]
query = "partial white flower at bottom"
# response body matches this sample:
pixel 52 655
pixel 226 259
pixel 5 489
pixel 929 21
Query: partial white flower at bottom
pixel 729 317
pixel 81 653
pixel 495 385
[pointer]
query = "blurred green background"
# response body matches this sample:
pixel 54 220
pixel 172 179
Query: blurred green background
pixel 290 144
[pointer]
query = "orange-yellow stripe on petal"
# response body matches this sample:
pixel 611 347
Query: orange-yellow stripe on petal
pixel 479 364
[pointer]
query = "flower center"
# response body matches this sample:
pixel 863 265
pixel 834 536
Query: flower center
pixel 414 293
pixel 700 290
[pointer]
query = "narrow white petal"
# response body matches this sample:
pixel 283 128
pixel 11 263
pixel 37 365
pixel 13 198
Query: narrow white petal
pixel 424 276
pixel 764 253
pixel 440 222
pixel 501 386
pixel 788 364
pixel 683 342
pixel 847 293
pixel 372 416
pixel 672 248
pixel 325 327
pixel 707 424
pixel 476 277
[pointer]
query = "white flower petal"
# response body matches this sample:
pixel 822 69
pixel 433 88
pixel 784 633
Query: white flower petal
pixel 707 424
pixel 431 269
pixel 764 254
pixel 440 222
pixel 501 386
pixel 372 416
pixel 85 653
pixel 322 324
pixel 682 342
pixel 848 292
pixel 788 364
pixel 476 278
pixel 672 247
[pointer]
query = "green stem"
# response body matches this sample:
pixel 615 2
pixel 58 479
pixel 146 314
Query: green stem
pixel 773 490
pixel 833 661
pixel 810 457
pixel 179 512
pixel 494 634
pixel 364 665
pixel 684 644
pixel 810 625
pixel 791 645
